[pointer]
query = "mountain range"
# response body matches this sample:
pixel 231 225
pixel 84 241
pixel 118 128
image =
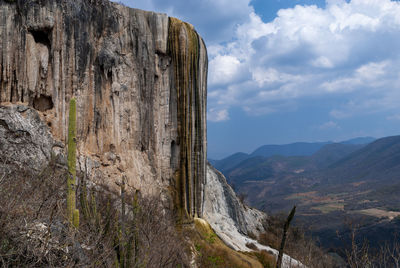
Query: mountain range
pixel 292 149
pixel 354 181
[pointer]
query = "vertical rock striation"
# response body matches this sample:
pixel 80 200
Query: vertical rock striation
pixel 189 58
pixel 139 79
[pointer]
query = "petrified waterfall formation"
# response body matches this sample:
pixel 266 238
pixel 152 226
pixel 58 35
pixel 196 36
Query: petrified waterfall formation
pixel 139 80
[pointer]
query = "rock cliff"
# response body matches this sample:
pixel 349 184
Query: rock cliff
pixel 139 79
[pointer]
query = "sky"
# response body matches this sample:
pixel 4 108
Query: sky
pixel 283 71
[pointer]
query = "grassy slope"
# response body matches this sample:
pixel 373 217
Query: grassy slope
pixel 212 251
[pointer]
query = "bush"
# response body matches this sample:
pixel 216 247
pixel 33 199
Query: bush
pixel 298 245
pixel 267 260
pixel 34 229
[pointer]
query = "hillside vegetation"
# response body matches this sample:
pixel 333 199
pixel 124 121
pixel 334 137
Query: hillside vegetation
pixel 35 232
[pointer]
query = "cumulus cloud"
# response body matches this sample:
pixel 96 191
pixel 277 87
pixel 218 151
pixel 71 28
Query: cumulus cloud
pixel 224 69
pixel 216 115
pixel 346 49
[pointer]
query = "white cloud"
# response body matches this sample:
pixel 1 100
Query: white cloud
pixel 216 115
pixel 348 48
pixel 224 69
pixel 372 71
pixel 271 76
pixel 329 126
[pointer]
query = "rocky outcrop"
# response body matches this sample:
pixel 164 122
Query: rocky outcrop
pixel 25 141
pixel 139 79
pixel 221 199
pixel 233 221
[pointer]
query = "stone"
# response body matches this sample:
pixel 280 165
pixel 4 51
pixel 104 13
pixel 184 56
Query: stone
pixel 224 211
pixel 140 113
pixel 25 140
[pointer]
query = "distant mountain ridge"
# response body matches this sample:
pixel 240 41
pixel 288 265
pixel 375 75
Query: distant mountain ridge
pixel 359 140
pixel 379 160
pixel 292 149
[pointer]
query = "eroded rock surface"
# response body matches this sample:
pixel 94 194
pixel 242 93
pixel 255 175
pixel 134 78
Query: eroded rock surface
pixel 229 218
pixel 139 79
pixel 232 221
pixel 25 140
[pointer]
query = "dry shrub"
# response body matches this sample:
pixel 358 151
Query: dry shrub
pixel 359 254
pixel 298 245
pixel 269 238
pixel 34 231
pixel 266 259
pixel 26 201
pixel 273 235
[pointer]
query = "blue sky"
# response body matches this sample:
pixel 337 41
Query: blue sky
pixel 282 71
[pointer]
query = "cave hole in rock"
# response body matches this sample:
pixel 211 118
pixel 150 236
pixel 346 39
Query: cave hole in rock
pixel 174 154
pixel 43 103
pixel 42 36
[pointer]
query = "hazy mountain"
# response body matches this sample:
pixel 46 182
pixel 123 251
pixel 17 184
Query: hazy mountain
pixel 379 160
pixel 264 168
pixel 241 167
pixel 229 162
pixel 292 149
pixel 332 153
pixel 359 140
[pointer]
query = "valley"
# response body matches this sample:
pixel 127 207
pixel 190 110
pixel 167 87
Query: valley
pixel 339 187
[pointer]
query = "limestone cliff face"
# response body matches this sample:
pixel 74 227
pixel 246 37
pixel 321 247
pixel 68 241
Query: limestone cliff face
pixel 139 79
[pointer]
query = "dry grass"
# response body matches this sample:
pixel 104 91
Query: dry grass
pixel 211 251
pixel 267 260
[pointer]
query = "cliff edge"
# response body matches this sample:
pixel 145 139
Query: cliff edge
pixel 139 79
